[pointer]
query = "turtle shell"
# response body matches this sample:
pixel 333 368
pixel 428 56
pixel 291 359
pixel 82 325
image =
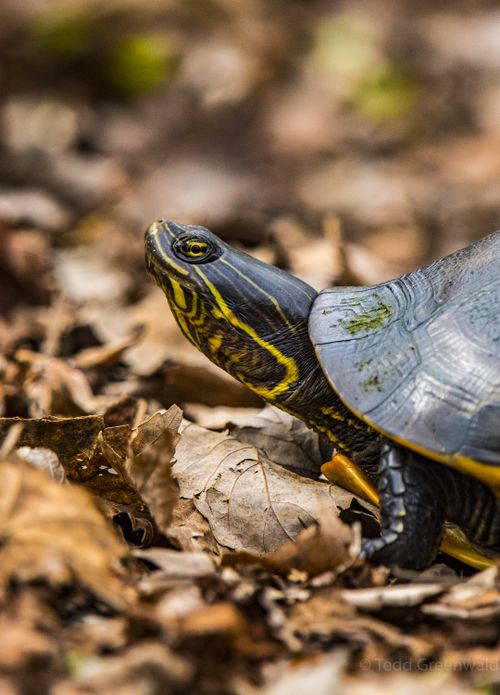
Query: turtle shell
pixel 418 358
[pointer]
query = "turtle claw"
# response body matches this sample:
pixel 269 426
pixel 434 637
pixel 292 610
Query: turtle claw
pixel 344 472
pixel 380 549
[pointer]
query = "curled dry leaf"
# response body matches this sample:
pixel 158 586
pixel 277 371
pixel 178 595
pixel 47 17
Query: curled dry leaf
pixel 107 354
pixel 327 545
pixel 74 440
pixel 52 385
pixel 55 533
pixel 251 503
pixel 143 457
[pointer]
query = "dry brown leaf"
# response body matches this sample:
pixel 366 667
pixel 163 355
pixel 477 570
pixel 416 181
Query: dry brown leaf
pixel 189 530
pixel 75 442
pixel 72 439
pixel 107 354
pixel 251 503
pixel 55 533
pixel 280 436
pixel 126 410
pixel 326 546
pixel 376 598
pixel 286 440
pixel 143 457
pixel 52 385
pixel 176 565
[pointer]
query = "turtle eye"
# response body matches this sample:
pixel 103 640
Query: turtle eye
pixel 194 250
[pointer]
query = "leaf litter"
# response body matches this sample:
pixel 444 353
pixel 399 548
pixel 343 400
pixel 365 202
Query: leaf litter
pixel 145 553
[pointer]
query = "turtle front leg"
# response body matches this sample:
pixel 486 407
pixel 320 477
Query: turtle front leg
pixel 412 511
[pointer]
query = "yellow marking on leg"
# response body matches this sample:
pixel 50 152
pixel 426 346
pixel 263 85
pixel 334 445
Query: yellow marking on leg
pixel 344 472
pixel 456 544
pixel 224 312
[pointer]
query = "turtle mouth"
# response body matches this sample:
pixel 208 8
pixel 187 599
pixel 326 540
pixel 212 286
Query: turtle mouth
pixel 152 241
pixel 152 264
pixel 158 252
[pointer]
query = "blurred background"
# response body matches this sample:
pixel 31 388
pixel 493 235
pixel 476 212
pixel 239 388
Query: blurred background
pixel 345 141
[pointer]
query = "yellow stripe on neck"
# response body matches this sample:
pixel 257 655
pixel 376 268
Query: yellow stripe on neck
pixel 290 365
pixel 179 296
pixel 262 291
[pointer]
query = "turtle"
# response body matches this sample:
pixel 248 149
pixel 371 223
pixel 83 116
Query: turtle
pixel 402 377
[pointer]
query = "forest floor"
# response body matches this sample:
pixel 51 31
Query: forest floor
pixel 162 531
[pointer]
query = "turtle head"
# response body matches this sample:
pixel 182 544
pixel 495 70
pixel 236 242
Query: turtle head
pixel 248 317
